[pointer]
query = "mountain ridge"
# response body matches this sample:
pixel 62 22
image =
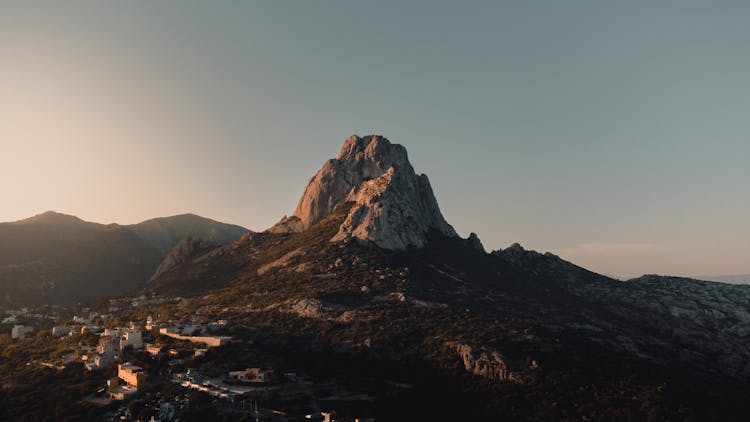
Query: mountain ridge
pixel 50 218
pixel 58 258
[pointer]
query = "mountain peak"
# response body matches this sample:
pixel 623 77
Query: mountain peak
pixel 51 218
pixel 370 145
pixel 166 232
pixel 393 206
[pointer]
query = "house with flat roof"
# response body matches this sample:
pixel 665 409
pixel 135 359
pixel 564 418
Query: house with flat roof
pixel 254 375
pixel 61 331
pixel 132 375
pixel 130 379
pixel 21 331
pixel 131 338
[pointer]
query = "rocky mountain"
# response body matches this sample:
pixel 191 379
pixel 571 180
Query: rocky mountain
pixel 57 258
pixel 393 206
pixel 367 271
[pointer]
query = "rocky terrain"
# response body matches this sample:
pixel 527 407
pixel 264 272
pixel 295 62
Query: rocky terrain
pixel 733 279
pixel 365 272
pixel 368 289
pixel 186 250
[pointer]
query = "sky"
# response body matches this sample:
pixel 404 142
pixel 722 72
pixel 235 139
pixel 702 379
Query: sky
pixel 614 134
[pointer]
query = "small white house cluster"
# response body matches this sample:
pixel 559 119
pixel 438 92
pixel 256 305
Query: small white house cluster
pixel 21 331
pixel 79 324
pixel 111 344
pixel 23 320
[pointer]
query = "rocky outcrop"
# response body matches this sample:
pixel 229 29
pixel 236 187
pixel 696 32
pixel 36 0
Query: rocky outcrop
pixel 393 206
pixel 187 249
pixel 474 243
pixel 702 318
pixel 308 308
pixel 487 364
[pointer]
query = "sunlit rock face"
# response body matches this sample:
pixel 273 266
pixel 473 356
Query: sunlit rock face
pixel 393 206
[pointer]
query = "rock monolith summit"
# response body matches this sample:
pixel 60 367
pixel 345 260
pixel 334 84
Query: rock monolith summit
pixel 394 208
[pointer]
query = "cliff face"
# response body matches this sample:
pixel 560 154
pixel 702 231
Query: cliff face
pixel 487 364
pixel 393 206
pixel 185 250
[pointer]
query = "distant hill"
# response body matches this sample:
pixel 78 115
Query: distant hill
pixel 59 259
pixel 165 233
pixel 44 234
pixel 111 262
pixel 733 279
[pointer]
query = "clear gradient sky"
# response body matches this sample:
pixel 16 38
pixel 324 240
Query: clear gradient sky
pixel 615 134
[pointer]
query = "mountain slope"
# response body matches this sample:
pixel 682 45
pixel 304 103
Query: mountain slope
pixel 41 235
pixel 112 262
pixel 60 259
pixel 513 323
pixel 539 337
pixel 734 279
pixel 186 250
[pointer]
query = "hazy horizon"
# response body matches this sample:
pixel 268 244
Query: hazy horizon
pixel 614 135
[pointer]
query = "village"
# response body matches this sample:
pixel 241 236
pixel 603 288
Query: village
pixel 138 359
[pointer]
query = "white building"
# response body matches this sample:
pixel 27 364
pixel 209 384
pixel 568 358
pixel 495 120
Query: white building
pixel 254 375
pixel 81 320
pixel 21 331
pixel 114 332
pixel 106 345
pixel 131 338
pixel 153 349
pixel 62 330
pixel 131 374
pixel 106 354
pixel 132 377
pixel 99 362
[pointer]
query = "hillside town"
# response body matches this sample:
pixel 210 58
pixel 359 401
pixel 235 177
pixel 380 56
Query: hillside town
pixel 137 360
